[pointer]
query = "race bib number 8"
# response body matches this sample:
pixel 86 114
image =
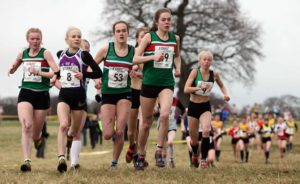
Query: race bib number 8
pixel 117 77
pixel 30 77
pixel 67 79
pixel 168 53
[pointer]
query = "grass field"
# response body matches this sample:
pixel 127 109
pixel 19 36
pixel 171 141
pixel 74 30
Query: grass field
pixel 95 167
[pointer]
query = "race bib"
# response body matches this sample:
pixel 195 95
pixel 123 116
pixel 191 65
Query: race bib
pixel 290 131
pixel 67 79
pixel 279 131
pixel 218 131
pixel 206 91
pixel 243 133
pixel 168 53
pixel 236 134
pixel 30 77
pixel 117 77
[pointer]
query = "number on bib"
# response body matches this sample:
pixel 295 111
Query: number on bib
pixel 68 80
pixel 168 54
pixel 30 77
pixel 117 77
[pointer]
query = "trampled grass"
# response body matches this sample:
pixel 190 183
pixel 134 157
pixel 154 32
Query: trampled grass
pixel 95 164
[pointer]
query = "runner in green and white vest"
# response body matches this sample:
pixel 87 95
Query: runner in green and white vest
pixel 34 98
pixel 159 52
pixel 116 91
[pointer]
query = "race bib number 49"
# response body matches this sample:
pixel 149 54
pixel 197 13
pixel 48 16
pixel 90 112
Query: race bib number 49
pixel 67 79
pixel 30 77
pixel 117 77
pixel 168 54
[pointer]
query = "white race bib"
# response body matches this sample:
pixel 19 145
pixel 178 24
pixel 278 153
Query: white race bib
pixel 67 79
pixel 290 131
pixel 204 92
pixel 117 77
pixel 168 53
pixel 218 131
pixel 243 133
pixel 30 77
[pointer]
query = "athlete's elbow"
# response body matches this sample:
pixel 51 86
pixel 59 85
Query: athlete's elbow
pixel 186 91
pixel 135 60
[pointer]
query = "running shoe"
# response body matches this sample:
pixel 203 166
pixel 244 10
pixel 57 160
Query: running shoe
pixel 204 164
pixel 26 166
pixel 62 165
pixel 195 161
pixel 140 163
pixel 75 167
pixel 114 165
pixel 159 159
pixel 172 163
pixel 135 156
pixel 129 155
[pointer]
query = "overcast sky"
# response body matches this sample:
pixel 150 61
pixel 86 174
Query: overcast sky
pixel 277 74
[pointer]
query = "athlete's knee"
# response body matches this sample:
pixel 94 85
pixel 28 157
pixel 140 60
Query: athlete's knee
pixel 164 117
pixel 170 143
pixel 147 119
pixel 120 133
pixel 146 126
pixel 27 127
pixel 107 136
pixel 63 127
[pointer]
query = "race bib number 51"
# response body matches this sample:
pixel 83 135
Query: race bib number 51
pixel 67 79
pixel 117 77
pixel 168 54
pixel 30 77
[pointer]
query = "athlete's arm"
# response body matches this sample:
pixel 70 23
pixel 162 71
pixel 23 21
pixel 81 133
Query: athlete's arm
pixel 177 59
pixel 49 58
pixel 221 85
pixel 135 73
pixel 88 59
pixel 188 88
pixel 15 65
pixel 101 54
pixel 138 55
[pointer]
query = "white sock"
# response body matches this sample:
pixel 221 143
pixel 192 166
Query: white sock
pixel 75 151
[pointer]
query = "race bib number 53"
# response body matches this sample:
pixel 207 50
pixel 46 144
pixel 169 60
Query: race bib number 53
pixel 168 54
pixel 117 77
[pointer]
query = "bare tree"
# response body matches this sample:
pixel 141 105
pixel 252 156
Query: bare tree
pixel 215 25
